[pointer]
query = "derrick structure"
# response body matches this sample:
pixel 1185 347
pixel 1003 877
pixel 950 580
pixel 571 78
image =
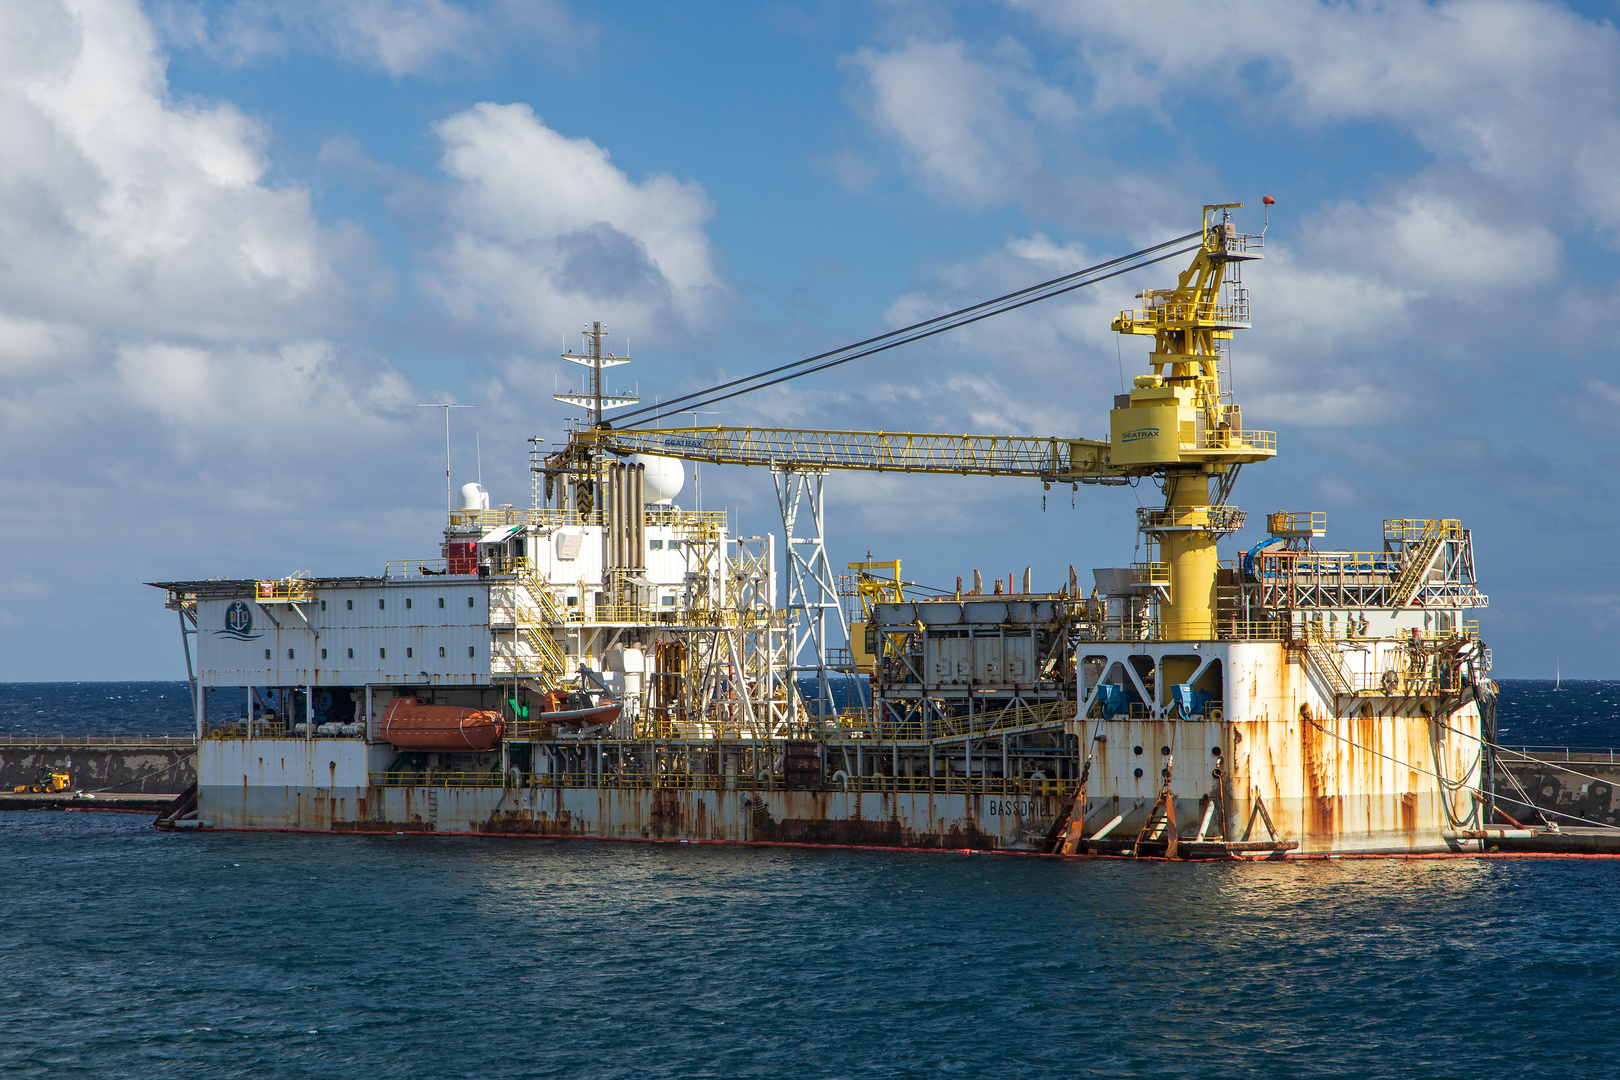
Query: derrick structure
pixel 1178 425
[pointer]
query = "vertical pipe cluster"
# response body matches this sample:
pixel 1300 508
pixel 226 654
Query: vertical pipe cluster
pixel 626 533
pixel 615 542
pixel 636 510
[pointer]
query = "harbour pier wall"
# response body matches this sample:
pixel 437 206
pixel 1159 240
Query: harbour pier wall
pixel 1579 784
pixel 124 764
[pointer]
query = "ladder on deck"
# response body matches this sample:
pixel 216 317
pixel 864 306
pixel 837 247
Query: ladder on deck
pixel 1415 567
pixel 534 621
pixel 1326 658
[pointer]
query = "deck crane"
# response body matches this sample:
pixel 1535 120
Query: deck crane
pixel 1177 425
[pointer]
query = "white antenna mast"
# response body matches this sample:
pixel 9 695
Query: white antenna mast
pixel 449 503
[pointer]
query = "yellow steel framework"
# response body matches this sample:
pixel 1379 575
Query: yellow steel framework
pixel 1176 424
pixel 1049 459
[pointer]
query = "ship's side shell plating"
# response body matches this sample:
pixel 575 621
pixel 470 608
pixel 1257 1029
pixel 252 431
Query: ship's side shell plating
pixel 1394 776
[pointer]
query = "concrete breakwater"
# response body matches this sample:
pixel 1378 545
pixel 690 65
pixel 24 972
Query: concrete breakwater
pixel 125 764
pixel 1569 784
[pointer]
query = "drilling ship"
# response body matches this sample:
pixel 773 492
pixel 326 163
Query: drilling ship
pixel 608 665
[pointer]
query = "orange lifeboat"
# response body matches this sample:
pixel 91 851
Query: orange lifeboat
pixel 412 724
pixel 582 709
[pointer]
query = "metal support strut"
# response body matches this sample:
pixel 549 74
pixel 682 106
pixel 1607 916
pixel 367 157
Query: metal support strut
pixel 812 591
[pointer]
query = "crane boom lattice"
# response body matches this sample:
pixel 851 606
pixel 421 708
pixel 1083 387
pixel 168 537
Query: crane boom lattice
pixel 1081 460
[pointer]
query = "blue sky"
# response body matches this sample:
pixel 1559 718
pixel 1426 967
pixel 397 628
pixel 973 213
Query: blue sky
pixel 242 240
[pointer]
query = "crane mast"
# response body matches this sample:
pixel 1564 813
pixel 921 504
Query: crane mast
pixel 1177 424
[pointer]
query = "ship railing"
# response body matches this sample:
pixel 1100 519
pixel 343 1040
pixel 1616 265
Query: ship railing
pixel 1210 519
pixel 52 739
pixel 1128 629
pixel 408 568
pixel 238 729
pixel 1220 438
pixel 707 520
pixel 1254 630
pixel 675 781
pixel 1013 715
pixel 676 615
pixel 1466 630
pixel 498 566
pixel 272 729
pixel 1397 682
pixel 1150 573
pixel 950 785
pixel 291 590
pixel 547 518
pixel 1582 754
pixel 1362 565
pixel 1313 522
pixel 737 731
pixel 1416 530
pixel 1170 314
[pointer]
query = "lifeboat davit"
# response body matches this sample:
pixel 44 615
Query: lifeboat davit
pixel 412 724
pixel 578 709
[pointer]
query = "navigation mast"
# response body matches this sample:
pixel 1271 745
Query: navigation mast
pixel 594 403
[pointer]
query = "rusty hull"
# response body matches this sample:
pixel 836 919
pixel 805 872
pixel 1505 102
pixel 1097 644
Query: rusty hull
pixel 1335 774
pixel 1332 779
pixel 323 785
pixel 905 820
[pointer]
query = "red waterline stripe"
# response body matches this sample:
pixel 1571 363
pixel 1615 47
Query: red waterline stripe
pixel 1403 856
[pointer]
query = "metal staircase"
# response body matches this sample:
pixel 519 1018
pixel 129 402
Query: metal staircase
pixel 1416 564
pixel 1325 656
pixel 534 614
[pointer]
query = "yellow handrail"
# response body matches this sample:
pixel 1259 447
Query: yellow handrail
pixel 285 590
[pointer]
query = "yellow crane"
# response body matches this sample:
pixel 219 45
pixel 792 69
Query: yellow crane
pixel 1177 424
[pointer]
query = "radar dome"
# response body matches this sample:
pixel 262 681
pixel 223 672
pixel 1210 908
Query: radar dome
pixel 473 497
pixel 663 479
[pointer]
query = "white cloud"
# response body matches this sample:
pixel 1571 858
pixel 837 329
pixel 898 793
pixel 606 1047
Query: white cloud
pixel 399 37
pixel 307 387
pixel 1516 90
pixel 32 347
pixel 951 115
pixel 174 325
pixel 1441 244
pixel 129 219
pixel 124 210
pixel 979 126
pixel 853 171
pixel 1047 370
pixel 166 371
pixel 547 234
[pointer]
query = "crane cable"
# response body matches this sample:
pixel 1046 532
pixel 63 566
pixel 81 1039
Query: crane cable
pixel 926 328
pixel 1444 782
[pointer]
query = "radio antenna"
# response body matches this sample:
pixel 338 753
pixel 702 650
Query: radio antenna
pixel 449 503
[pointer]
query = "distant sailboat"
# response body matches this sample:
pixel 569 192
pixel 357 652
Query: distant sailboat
pixel 1556 675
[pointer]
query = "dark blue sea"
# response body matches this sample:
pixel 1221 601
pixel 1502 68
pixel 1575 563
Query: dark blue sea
pixel 128 952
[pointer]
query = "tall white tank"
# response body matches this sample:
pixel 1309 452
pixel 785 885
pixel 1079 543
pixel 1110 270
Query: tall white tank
pixel 473 497
pixel 663 479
